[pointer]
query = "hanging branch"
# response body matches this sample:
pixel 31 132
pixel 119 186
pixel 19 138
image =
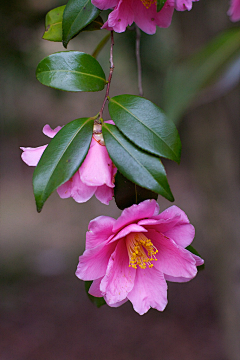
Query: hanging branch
pixel 139 67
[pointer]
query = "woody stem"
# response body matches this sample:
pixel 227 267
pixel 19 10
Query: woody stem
pixel 109 77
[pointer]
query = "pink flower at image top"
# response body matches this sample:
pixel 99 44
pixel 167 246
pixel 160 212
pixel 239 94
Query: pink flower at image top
pixel 142 12
pixel 234 10
pixel 95 175
pixel 132 257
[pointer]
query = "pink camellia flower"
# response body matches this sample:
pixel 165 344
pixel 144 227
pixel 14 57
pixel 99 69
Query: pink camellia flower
pixel 142 12
pixel 95 175
pixel 132 257
pixel 234 10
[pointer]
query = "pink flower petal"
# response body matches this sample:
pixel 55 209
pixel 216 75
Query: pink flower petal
pixel 96 170
pixel 121 16
pixel 118 303
pixel 119 278
pixel 172 260
pixel 182 234
pixel 150 290
pixel 48 131
pixel 127 230
pixel 99 230
pixel 104 194
pixel 161 225
pixel 31 156
pixel 76 189
pixel 234 10
pixel 94 261
pixel 104 4
pixel 135 212
pixel 176 279
pixel 94 289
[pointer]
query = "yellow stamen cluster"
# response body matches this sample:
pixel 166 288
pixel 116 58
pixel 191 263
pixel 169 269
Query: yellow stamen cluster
pixel 148 3
pixel 141 250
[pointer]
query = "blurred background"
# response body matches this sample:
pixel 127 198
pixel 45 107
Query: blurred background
pixel 44 310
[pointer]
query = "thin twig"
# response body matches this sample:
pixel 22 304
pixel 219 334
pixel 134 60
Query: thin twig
pixel 101 45
pixel 138 57
pixel 109 77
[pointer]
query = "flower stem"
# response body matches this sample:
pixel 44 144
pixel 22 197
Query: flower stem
pixel 138 57
pixel 109 77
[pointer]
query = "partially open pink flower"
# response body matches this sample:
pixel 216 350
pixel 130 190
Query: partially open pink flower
pixel 95 175
pixel 234 10
pixel 132 257
pixel 142 12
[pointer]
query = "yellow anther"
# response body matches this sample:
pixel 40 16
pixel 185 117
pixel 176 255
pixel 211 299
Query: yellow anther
pixel 148 3
pixel 141 250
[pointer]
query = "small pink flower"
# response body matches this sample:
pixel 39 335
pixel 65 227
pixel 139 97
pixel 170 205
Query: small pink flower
pixel 132 257
pixel 95 175
pixel 234 10
pixel 142 12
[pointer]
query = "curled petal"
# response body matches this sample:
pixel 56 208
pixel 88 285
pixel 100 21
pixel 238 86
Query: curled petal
pixel 31 156
pixel 94 289
pixel 136 212
pixel 104 194
pixel 99 230
pixel 48 131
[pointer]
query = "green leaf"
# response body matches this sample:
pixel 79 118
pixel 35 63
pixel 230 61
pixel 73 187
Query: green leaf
pixel 53 24
pixel 62 158
pixel 71 71
pixel 185 81
pixel 127 193
pixel 194 251
pixel 160 4
pixel 136 165
pixel 77 15
pixel 98 301
pixel 146 125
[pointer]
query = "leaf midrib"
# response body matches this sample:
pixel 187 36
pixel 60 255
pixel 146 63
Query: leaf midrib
pixel 76 19
pixel 73 71
pixel 145 126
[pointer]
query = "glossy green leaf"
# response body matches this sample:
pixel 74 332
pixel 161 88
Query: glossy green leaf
pixel 185 81
pixel 77 15
pixel 136 165
pixel 98 301
pixel 160 4
pixel 62 158
pixel 146 125
pixel 194 251
pixel 71 71
pixel 53 24
pixel 126 193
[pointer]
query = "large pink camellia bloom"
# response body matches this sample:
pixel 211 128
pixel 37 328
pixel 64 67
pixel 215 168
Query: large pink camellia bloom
pixel 142 12
pixel 95 175
pixel 234 10
pixel 132 257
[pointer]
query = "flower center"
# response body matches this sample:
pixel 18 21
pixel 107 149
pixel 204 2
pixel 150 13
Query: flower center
pixel 141 250
pixel 148 3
